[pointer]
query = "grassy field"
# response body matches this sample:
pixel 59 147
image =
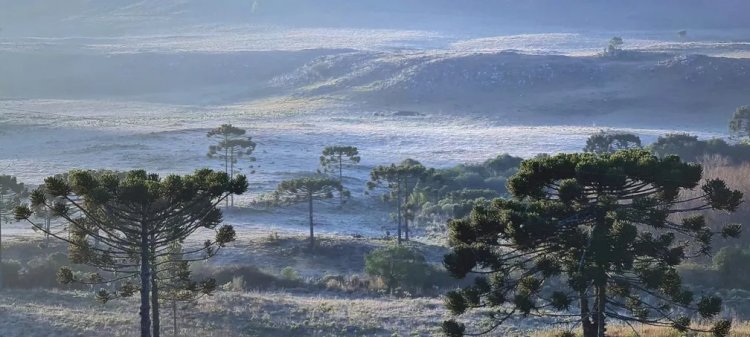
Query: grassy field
pixel 227 313
pixel 322 300
pixel 739 329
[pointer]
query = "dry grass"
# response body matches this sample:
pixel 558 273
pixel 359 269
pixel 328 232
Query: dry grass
pixel 739 329
pixel 62 314
pixel 736 177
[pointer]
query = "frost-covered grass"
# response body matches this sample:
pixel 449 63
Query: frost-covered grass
pixel 739 329
pixel 64 313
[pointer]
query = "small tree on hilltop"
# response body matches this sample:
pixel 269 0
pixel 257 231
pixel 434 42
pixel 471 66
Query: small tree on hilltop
pixel 334 158
pixel 399 180
pixel 307 190
pixel 124 224
pixel 615 46
pixel 231 145
pixel 589 238
pixel 11 194
pixel 739 125
pixel 608 142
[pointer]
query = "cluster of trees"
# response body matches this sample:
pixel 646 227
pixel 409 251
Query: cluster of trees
pixel 687 147
pixel 430 195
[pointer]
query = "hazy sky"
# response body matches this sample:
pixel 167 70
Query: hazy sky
pixel 54 17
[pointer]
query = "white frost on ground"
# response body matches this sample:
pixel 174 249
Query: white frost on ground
pixel 42 138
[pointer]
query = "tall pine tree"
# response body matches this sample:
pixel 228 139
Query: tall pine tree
pixel 124 224
pixel 590 238
pixel 11 194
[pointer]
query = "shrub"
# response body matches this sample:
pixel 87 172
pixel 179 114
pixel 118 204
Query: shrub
pixel 288 273
pixel 398 266
pixel 252 277
pixel 41 272
pixel 11 272
pixel 731 264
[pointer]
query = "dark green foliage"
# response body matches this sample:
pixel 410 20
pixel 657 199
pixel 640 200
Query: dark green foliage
pixel 608 142
pixel 439 194
pixel 453 329
pixel 732 263
pixel 594 230
pixel 11 274
pixel 739 125
pixel 399 181
pixel 690 148
pixel 721 328
pixel 125 223
pixel 399 266
pixel 231 146
pixel 335 158
pixel 614 48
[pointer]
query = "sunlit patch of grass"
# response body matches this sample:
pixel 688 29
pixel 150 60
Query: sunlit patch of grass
pixel 739 329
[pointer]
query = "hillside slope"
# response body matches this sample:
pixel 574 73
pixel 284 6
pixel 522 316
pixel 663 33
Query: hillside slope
pixel 513 85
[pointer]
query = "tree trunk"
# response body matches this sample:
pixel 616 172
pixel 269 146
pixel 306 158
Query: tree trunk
pixel 231 173
pixel 174 317
pixel 154 293
pixel 398 206
pixel 226 164
pixel 586 324
pixel 145 311
pixel 341 180
pixel 406 209
pixel 312 237
pixel 48 224
pixel 1 242
pixel 601 306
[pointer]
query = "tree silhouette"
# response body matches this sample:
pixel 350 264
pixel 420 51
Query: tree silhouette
pixel 589 238
pixel 615 46
pixel 739 125
pixel 334 158
pixel 399 180
pixel 11 194
pixel 124 224
pixel 231 145
pixel 608 142
pixel 307 189
pixel 174 278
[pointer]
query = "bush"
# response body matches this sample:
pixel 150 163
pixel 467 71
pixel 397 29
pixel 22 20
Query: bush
pixel 41 272
pixel 690 148
pixel 11 273
pixel 731 264
pixel 251 277
pixel 288 273
pixel 399 267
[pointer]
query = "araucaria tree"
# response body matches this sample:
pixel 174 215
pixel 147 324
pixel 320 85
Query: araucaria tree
pixel 399 181
pixel 739 125
pixel 334 158
pixel 231 146
pixel 125 224
pixel 308 189
pixel 11 194
pixel 588 238
pixel 608 142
